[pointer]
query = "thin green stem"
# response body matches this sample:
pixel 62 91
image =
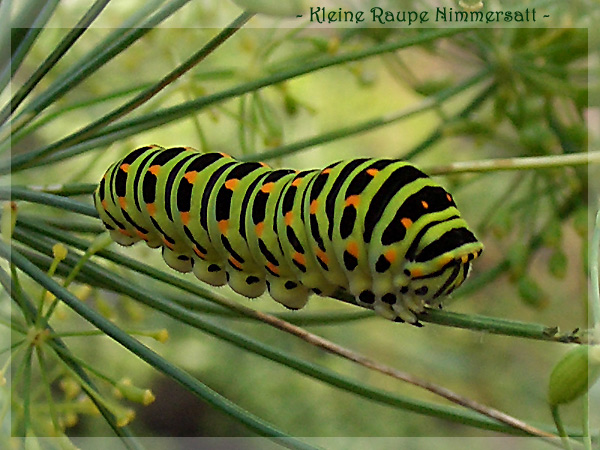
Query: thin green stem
pixel 585 417
pixel 42 10
pixel 564 437
pixel 144 96
pixel 27 390
pixel 53 58
pixel 520 163
pixel 47 388
pixel 20 193
pixel 103 52
pixel 595 279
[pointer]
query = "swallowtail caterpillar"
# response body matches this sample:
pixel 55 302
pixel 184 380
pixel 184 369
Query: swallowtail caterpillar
pixel 379 229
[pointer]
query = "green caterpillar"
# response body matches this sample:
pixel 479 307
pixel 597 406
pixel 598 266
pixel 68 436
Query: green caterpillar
pixel 379 229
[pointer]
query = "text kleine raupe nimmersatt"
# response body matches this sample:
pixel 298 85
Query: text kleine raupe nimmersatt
pixel 320 14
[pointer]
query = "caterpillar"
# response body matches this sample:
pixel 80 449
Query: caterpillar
pixel 379 229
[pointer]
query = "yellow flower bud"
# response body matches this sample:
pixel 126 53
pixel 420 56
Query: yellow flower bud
pixel 133 393
pixel 70 419
pixel 59 251
pixel 124 416
pixel 70 387
pixel 161 335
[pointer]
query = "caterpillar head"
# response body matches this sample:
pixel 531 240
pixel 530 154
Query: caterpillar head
pixel 437 278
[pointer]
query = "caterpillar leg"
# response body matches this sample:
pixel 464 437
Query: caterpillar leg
pixel 289 293
pixel 178 261
pixel 248 285
pixel 209 272
pixel 123 239
pixel 391 307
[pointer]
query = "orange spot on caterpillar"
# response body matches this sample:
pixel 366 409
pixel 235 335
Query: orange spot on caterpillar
pixel 104 204
pixel 326 171
pixel 416 273
pixel 199 253
pixel 124 232
pixel 260 228
pixel 232 184
pixel 313 206
pixel 167 243
pixel 353 200
pixel 465 259
pixel 185 217
pixel 154 169
pixel 124 167
pixel 236 263
pixel 425 204
pixel 449 197
pixel 352 248
pixel 296 182
pixel 406 222
pixel 191 176
pixel 273 268
pixel 123 202
pixel 151 207
pixel 372 172
pixel 225 155
pixel 223 226
pixel 390 255
pixel 267 187
pixel 144 236
pixel 190 149
pixel 299 258
pixel 322 256
pixel 262 164
pixel 289 218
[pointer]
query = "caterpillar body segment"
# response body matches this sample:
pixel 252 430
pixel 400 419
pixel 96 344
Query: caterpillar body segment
pixel 379 229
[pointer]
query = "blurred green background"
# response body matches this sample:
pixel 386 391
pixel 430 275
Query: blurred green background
pixel 528 97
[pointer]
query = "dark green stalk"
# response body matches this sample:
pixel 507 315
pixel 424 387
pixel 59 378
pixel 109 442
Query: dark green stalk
pixel 147 94
pixel 199 389
pixel 19 193
pixel 166 115
pixel 151 299
pixel 111 46
pixel 24 40
pixel 58 112
pixel 65 190
pixel 53 58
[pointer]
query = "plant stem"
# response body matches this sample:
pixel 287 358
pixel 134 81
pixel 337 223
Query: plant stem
pixel 595 279
pixel 521 163
pixel 560 427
